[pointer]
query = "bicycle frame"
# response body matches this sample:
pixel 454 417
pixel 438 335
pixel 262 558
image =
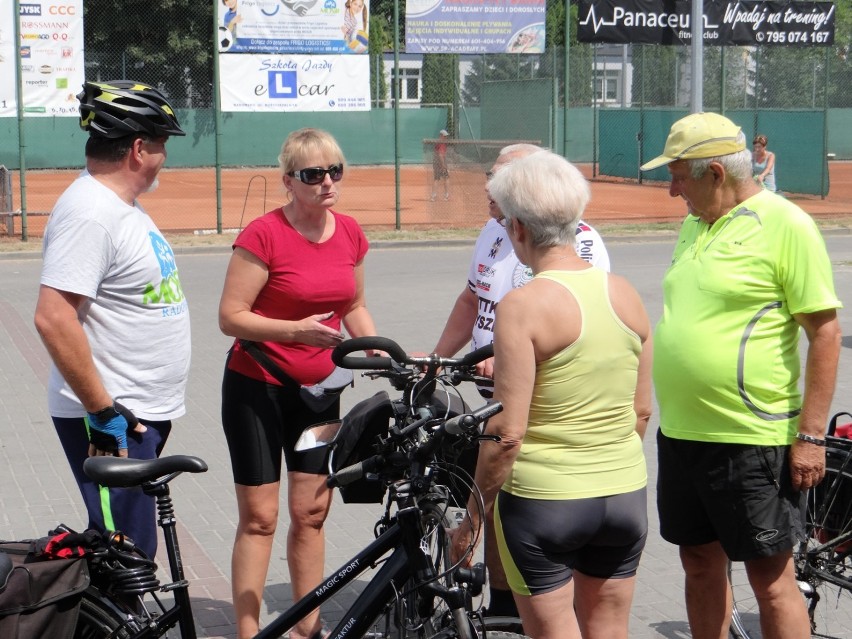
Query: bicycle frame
pixel 407 561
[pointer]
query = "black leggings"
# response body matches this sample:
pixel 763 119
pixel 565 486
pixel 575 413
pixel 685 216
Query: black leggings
pixel 260 421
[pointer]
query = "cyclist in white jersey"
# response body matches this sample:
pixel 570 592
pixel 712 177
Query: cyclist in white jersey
pixel 494 271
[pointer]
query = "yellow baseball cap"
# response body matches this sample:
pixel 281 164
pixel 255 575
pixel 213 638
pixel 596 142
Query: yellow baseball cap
pixel 699 135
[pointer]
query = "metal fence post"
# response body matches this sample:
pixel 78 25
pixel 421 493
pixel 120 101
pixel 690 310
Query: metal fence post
pixel 6 199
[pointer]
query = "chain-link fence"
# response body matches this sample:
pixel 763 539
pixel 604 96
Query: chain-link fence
pixel 621 100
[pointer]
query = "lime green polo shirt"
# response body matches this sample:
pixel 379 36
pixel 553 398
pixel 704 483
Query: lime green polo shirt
pixel 726 358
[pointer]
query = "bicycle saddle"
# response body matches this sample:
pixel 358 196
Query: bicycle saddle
pixel 122 472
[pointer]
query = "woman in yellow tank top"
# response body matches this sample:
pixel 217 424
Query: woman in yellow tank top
pixel 566 482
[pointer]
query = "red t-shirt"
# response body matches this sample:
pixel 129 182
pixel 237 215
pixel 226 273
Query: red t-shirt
pixel 305 278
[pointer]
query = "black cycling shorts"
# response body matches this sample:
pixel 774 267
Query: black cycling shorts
pixel 542 541
pixel 737 494
pixel 260 421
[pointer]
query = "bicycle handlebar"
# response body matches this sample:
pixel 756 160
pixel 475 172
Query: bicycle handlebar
pixel 464 425
pixel 467 423
pixel 341 355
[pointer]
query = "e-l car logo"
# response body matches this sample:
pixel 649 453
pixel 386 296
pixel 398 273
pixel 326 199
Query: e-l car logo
pixel 282 84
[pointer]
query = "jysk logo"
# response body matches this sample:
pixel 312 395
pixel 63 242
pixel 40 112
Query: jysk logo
pixel 30 9
pixel 283 85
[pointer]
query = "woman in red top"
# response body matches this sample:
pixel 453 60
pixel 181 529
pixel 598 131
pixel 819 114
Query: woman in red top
pixel 296 274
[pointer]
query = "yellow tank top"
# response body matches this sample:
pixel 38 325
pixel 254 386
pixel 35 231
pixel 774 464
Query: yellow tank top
pixel 581 440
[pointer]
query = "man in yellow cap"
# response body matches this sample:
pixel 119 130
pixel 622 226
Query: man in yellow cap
pixel 739 445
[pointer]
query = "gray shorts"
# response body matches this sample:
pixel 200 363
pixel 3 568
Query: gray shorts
pixel 542 541
pixel 737 494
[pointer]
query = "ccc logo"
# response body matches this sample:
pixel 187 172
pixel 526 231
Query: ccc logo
pixel 62 10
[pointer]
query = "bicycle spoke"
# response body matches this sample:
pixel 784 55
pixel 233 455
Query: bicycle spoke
pixel 824 563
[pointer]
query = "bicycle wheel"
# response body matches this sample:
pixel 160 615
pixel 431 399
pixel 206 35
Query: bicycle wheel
pixel 745 618
pixel 823 562
pixel 101 619
pixel 451 633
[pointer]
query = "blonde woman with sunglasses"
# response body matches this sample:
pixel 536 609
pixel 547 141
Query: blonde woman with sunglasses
pixel 295 279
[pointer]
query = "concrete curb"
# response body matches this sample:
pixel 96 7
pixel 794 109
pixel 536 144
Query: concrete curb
pixel 398 244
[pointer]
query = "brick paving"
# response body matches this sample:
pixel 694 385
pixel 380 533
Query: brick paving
pixel 410 291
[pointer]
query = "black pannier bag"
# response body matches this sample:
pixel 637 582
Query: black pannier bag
pixel 358 438
pixel 40 597
pixel 357 441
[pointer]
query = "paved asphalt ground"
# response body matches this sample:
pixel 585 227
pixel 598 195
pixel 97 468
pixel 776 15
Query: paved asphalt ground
pixel 410 292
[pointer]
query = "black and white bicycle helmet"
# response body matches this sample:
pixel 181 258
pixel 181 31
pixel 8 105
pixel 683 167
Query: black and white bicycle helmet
pixel 118 108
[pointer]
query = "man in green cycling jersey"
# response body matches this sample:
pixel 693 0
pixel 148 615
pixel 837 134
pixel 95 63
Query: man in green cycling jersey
pixel 739 445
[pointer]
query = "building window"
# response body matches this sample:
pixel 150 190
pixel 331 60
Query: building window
pixel 409 85
pixel 606 88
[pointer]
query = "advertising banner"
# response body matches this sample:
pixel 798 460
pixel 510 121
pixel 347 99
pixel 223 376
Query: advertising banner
pixel 474 26
pixel 259 83
pixel 293 26
pixel 743 22
pixel 51 46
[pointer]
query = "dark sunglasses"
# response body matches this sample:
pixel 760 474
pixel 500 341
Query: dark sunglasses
pixel 316 174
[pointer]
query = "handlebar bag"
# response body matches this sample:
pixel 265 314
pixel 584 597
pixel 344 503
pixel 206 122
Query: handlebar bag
pixel 40 597
pixel 361 428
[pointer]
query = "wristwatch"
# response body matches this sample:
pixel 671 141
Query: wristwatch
pixel 811 440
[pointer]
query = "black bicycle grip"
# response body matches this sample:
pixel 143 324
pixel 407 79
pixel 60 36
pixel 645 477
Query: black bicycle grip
pixel 340 355
pixel 468 422
pixel 346 476
pixel 479 355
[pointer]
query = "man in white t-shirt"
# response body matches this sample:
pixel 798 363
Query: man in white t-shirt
pixel 494 271
pixel 111 310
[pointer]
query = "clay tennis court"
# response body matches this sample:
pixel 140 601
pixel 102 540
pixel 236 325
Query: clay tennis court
pixel 186 198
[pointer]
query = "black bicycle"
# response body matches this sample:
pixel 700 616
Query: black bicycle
pixel 823 562
pixel 406 450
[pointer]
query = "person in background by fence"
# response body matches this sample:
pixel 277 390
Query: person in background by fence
pixel 296 274
pixel 111 310
pixel 440 169
pixel 565 476
pixel 494 271
pixel 739 445
pixel 763 163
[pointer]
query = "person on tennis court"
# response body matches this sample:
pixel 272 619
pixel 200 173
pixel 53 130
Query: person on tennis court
pixel 111 309
pixel 494 271
pixel 295 278
pixel 763 163
pixel 440 168
pixel 739 445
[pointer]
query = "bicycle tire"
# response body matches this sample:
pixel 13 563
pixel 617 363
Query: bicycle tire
pixel 451 633
pixel 99 618
pixel 823 566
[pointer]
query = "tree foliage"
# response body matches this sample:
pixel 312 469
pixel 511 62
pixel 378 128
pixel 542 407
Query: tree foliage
pixel 167 44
